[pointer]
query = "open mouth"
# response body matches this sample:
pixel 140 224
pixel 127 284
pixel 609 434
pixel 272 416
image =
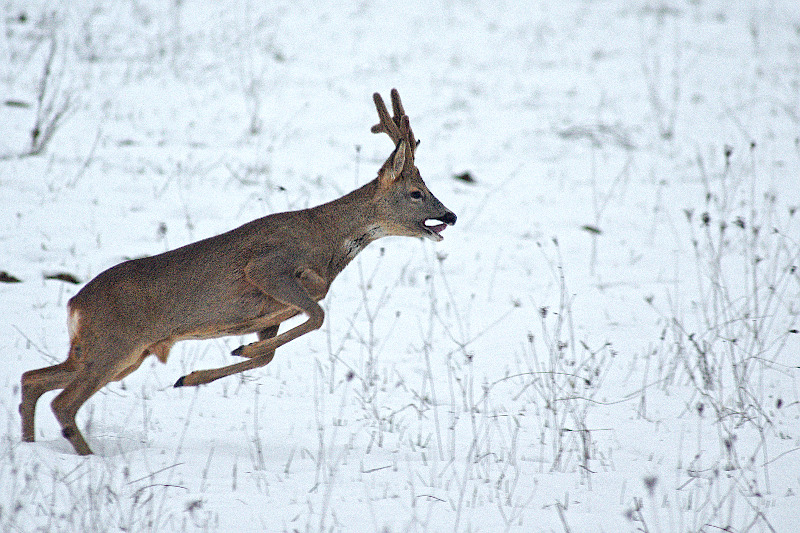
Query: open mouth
pixel 435 227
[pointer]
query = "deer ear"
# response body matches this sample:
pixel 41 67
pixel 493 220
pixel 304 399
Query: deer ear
pixel 399 159
pixel 393 168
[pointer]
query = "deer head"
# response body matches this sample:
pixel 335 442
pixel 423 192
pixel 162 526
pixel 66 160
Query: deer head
pixel 408 207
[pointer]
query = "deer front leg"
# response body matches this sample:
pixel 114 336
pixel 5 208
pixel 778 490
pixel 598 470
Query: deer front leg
pixel 310 285
pixel 286 289
pixel 264 334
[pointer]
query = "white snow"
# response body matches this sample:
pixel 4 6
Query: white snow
pixel 582 352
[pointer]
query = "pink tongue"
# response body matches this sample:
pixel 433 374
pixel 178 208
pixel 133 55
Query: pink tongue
pixel 437 228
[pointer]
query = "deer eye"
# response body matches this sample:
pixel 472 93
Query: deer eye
pixel 416 194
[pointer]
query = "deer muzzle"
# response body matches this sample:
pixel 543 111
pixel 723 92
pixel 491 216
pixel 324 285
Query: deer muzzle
pixel 438 225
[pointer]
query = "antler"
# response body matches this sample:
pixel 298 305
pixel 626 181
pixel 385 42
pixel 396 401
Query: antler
pixel 398 127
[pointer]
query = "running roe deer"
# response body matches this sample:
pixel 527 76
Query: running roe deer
pixel 247 280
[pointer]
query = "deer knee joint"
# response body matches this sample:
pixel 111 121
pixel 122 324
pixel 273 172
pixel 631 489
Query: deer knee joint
pixel 316 317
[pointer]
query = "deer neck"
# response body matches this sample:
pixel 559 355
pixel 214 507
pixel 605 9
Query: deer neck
pixel 352 223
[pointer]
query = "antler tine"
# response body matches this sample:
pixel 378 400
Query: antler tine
pixel 397 105
pixel 397 127
pixel 405 127
pixel 405 123
pixel 387 124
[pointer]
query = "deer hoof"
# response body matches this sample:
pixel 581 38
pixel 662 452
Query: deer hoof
pixel 238 351
pixel 179 383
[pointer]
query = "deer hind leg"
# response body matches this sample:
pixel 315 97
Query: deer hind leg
pixel 122 374
pixel 65 406
pixel 103 363
pixel 37 382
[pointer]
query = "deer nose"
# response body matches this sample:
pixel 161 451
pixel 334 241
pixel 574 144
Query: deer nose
pixel 449 218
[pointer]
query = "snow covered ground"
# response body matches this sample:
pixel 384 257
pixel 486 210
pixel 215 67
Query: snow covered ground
pixel 606 341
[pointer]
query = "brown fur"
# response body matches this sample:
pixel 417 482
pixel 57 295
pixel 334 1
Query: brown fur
pixel 247 280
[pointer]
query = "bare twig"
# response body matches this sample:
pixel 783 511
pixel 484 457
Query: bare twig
pixel 54 102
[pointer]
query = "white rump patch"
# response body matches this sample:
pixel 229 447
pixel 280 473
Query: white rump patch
pixel 72 322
